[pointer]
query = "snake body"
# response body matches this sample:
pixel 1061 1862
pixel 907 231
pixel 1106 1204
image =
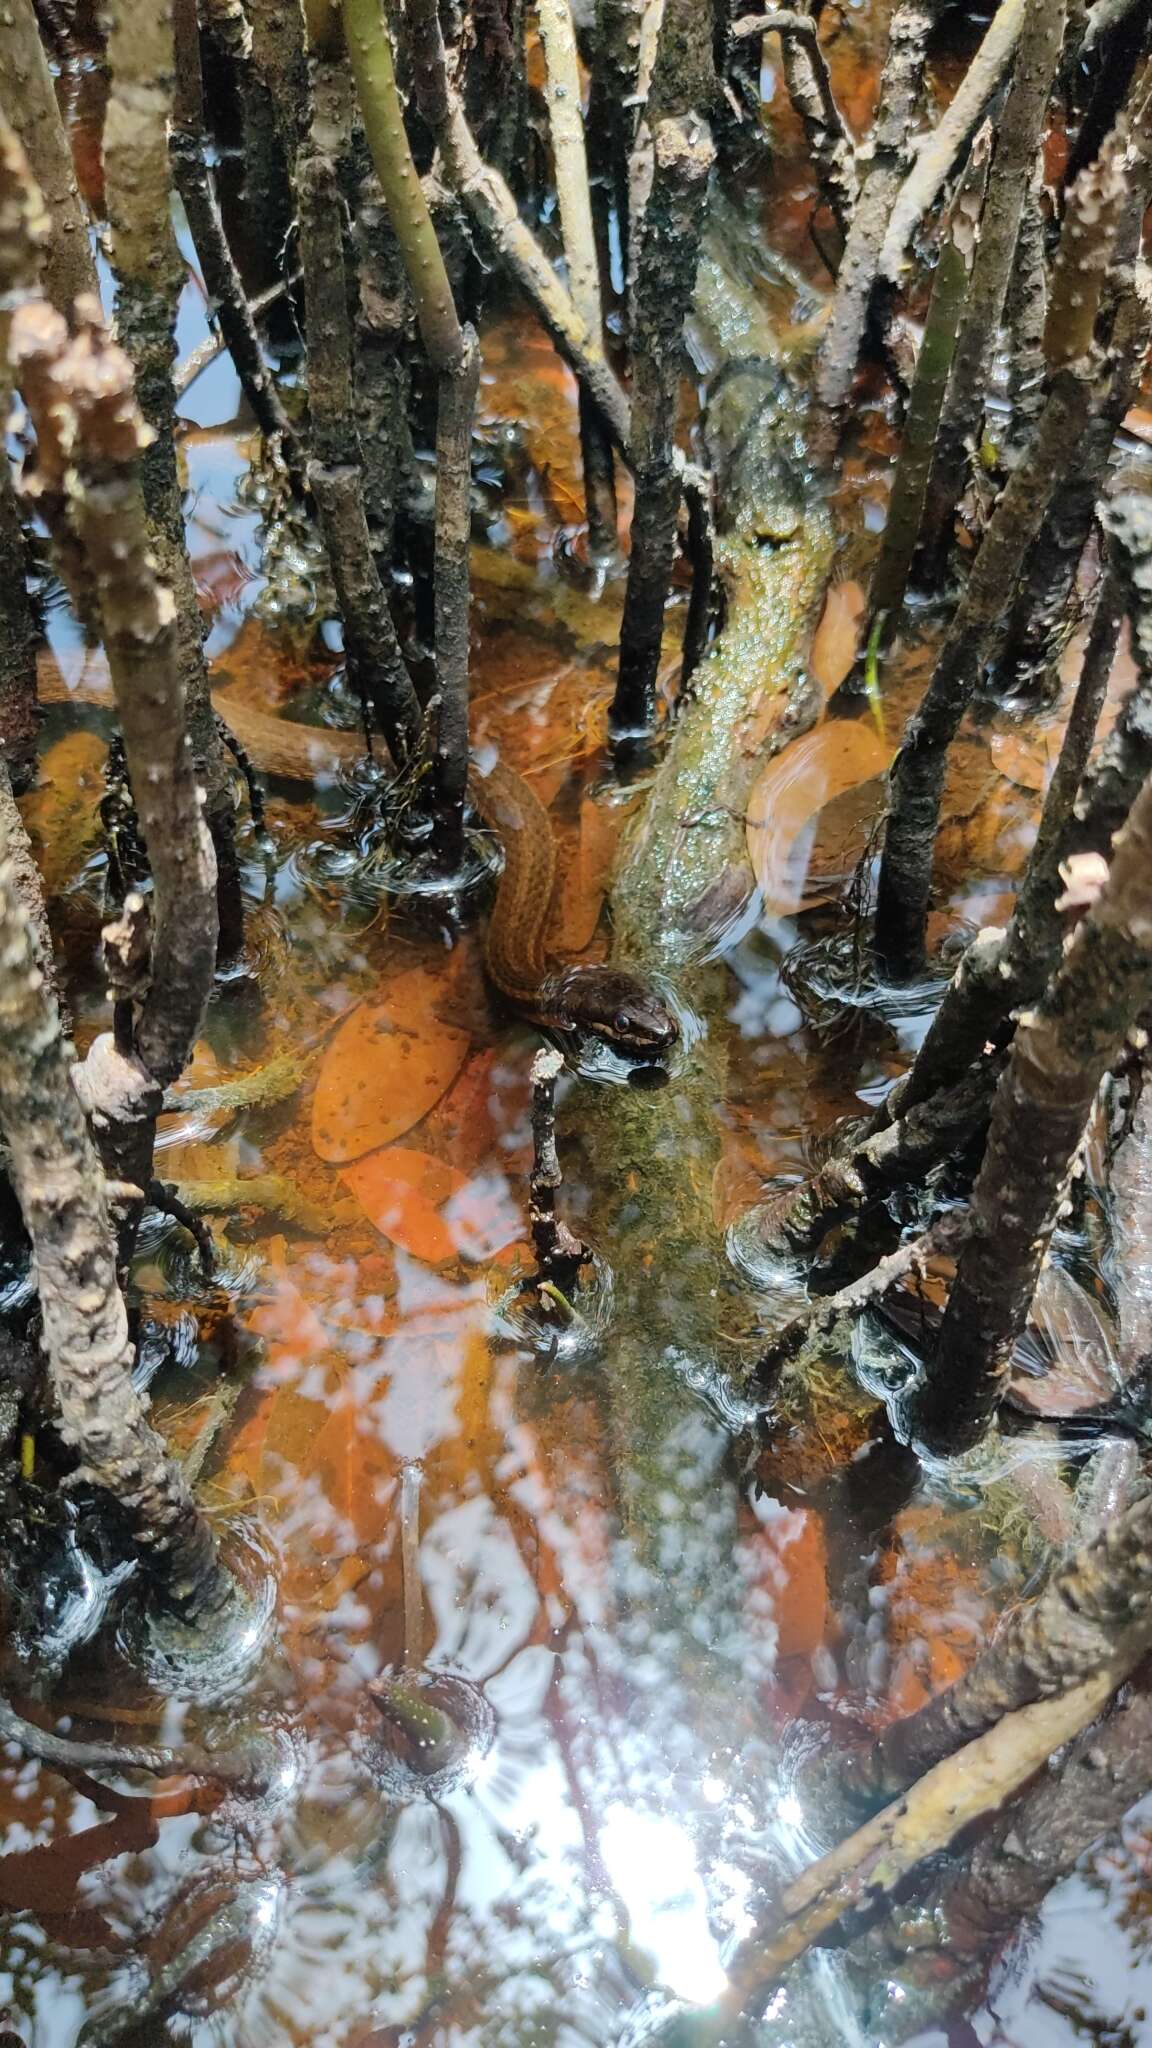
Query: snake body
pixel 623 1009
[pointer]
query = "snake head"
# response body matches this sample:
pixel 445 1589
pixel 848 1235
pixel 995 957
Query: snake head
pixel 628 1013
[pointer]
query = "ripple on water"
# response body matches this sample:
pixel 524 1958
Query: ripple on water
pixel 424 1733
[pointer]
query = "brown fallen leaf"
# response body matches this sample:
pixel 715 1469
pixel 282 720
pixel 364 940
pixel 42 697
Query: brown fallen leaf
pixel 789 797
pixel 402 1193
pixel 389 1062
pixel 836 641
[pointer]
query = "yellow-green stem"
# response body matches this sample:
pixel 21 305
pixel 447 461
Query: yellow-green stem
pixel 370 52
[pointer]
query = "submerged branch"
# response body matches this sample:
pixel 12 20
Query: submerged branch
pixel 251 1768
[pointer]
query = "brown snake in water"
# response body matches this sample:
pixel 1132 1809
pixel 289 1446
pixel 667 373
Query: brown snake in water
pixel 622 1009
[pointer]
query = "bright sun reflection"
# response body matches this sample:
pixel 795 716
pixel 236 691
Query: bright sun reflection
pixel 651 1862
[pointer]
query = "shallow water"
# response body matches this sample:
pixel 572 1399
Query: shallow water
pixel 639 1600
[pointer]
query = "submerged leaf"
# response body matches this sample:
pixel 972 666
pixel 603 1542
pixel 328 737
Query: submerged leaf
pixel 785 809
pixel 837 637
pixel 402 1193
pixel 389 1062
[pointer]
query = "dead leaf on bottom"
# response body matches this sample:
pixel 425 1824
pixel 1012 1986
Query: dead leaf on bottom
pixel 389 1062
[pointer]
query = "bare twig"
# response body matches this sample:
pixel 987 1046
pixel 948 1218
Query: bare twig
pixel 495 212
pixel 566 126
pixel 1095 1612
pixel 559 1254
pixel 945 1235
pixel 890 147
pixel 227 298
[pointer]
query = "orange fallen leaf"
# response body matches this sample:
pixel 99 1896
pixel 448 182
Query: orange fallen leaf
pixel 389 1062
pixel 1026 758
pixel 836 641
pixel 784 810
pixel 402 1193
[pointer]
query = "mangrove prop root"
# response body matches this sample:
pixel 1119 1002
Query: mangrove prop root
pixel 673 223
pixel 1001 970
pixel 62 1197
pixel 905 1150
pixel 891 145
pixel 869 1865
pixel 1095 1610
pixel 1018 136
pixel 1060 1053
pixel 494 210
pixel 1079 1799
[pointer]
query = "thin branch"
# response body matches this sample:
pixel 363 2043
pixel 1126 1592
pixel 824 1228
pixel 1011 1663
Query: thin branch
pixel 31 107
pixel 229 1766
pixel 810 89
pixel 942 149
pixel 945 1235
pixel 496 214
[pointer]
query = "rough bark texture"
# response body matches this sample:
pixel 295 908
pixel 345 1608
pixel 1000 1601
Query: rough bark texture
pixel 278 49
pixel 375 662
pixel 370 55
pixel 226 294
pixel 30 104
pixel 151 273
pixel 673 225
pixel 615 57
pixel 926 1819
pixel 266 190
pixel 25 236
pixel 1037 628
pixel 1059 1055
pixel 1094 1612
pixel 905 1149
pixel 942 150
pixel 1001 970
pixel 496 214
pixel 87 483
pixel 60 1188
pixel 1018 136
pixel 1082 1797
pixel 455 416
pixel 559 1254
pixel 918 775
pixel 810 90
pixel 919 442
pixel 850 1301
pixel 570 162
pixel 889 150
pixel 1025 314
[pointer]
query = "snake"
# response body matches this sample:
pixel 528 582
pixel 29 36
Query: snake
pixel 574 1000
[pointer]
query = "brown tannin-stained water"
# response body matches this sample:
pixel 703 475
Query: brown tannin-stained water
pixel 545 1624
